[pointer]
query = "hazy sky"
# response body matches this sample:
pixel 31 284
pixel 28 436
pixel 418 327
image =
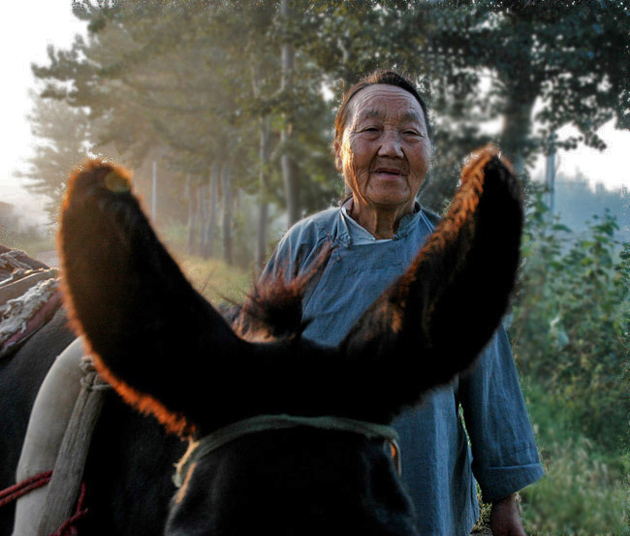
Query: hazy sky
pixel 28 26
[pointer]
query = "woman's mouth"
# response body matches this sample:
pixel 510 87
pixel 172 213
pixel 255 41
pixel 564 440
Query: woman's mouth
pixel 388 172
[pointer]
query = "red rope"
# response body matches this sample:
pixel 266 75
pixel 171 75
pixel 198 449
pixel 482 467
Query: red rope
pixel 16 491
pixel 39 480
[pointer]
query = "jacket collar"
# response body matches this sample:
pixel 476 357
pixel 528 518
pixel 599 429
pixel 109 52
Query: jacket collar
pixel 341 232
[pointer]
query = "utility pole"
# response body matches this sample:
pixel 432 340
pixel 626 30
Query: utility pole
pixel 550 175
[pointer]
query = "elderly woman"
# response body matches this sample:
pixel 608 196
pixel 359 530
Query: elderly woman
pixel 382 147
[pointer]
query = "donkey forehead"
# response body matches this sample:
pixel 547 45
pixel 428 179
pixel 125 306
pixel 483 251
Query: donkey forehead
pixel 302 471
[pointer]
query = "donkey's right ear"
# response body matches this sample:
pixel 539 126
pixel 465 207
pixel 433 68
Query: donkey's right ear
pixel 432 322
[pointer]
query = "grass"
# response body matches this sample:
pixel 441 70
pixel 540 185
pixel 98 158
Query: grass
pixel 211 277
pixel 585 491
pixel 216 280
pixel 581 495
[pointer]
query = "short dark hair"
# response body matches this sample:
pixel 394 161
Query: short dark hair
pixel 391 78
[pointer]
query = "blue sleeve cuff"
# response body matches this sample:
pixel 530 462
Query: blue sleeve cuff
pixel 499 482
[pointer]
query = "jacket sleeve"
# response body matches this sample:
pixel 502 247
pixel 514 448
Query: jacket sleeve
pixel 505 457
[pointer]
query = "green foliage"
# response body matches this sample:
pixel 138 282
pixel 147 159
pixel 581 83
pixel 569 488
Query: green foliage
pixel 570 334
pixel 571 56
pixel 570 329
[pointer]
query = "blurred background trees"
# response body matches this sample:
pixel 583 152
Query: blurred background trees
pixel 63 142
pixel 253 86
pixel 225 111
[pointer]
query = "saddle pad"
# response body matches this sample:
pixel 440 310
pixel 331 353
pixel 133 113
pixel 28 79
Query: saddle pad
pixel 15 259
pixel 21 317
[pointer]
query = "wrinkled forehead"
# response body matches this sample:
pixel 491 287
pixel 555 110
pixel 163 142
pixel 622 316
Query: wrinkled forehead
pixel 385 102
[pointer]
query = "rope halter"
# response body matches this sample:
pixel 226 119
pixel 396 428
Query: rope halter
pixel 261 423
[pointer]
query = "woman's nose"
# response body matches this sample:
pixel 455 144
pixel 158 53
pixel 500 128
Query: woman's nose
pixel 391 145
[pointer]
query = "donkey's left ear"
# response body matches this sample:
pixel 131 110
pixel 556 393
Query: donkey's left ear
pixel 433 321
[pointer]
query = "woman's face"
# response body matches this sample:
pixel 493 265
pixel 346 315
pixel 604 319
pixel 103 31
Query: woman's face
pixel 385 150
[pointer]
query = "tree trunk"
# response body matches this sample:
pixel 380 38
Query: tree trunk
pixel 193 188
pixel 263 205
pixel 203 216
pixel 226 182
pixel 522 87
pixel 264 151
pixel 211 203
pixel 517 126
pixel 289 169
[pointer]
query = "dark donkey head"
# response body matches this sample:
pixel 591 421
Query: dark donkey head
pixel 168 352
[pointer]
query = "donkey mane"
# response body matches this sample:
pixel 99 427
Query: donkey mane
pixel 274 308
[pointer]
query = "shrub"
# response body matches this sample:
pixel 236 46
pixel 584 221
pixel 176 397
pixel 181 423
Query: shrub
pixel 571 322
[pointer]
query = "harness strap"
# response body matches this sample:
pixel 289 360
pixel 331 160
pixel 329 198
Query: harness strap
pixel 213 441
pixel 65 485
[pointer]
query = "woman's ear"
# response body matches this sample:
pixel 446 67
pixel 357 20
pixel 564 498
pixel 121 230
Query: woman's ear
pixel 338 159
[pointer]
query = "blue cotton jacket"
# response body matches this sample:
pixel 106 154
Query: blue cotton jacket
pixel 437 462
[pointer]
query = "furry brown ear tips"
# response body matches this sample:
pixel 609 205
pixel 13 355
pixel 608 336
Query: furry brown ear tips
pixel 478 160
pixel 98 174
